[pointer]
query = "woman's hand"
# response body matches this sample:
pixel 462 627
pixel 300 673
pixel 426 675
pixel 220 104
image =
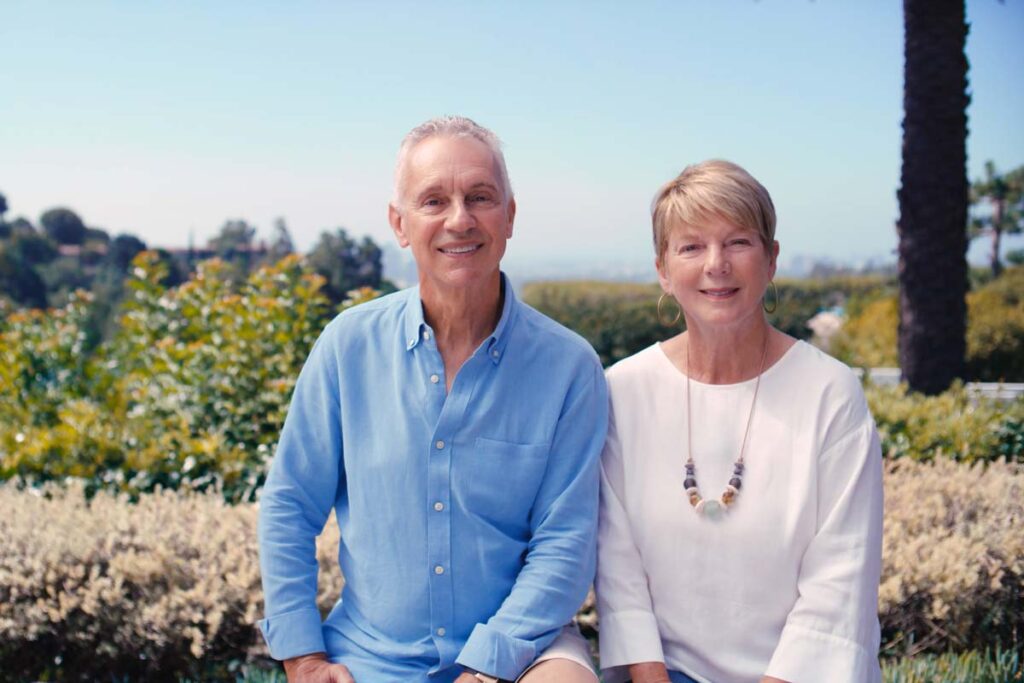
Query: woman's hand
pixel 315 668
pixel 649 672
pixel 772 679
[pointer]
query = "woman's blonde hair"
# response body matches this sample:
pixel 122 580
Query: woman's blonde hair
pixel 709 189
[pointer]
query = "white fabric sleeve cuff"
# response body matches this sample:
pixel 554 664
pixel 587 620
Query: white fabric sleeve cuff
pixel 806 655
pixel 628 638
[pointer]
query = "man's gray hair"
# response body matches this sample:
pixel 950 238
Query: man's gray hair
pixel 450 127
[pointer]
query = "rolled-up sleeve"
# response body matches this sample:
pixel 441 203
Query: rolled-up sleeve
pixel 295 504
pixel 832 631
pixel 560 558
pixel 629 629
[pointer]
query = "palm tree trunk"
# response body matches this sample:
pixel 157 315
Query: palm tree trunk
pixel 933 195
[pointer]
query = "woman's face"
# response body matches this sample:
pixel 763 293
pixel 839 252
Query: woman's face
pixel 718 273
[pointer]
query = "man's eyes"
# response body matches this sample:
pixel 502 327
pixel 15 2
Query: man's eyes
pixel 479 198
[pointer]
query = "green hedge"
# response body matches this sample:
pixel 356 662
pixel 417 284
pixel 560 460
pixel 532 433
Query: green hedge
pixel 954 424
pixel 619 319
pixel 995 331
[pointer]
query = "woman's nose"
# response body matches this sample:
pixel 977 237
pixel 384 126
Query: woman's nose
pixel 716 262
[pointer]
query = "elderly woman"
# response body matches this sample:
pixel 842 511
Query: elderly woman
pixel 741 501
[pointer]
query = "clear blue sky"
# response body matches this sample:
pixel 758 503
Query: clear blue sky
pixel 165 118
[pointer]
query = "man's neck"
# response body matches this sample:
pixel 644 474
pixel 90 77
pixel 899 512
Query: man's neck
pixel 461 319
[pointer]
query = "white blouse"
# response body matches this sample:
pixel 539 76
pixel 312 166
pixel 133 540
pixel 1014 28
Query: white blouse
pixel 784 584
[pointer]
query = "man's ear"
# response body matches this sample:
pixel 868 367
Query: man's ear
pixel 511 217
pixel 395 219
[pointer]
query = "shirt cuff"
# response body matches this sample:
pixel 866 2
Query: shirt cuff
pixel 806 655
pixel 629 638
pixel 293 634
pixel 494 653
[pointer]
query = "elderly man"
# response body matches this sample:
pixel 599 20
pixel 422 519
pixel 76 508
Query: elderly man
pixel 455 432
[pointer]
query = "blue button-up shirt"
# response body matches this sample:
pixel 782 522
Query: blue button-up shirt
pixel 467 518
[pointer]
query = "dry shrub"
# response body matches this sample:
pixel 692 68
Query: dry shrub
pixel 169 586
pixel 953 556
pixel 165 587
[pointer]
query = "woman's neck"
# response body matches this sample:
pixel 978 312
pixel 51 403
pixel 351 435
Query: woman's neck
pixel 725 356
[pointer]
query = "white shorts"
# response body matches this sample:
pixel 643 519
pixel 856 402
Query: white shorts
pixel 569 644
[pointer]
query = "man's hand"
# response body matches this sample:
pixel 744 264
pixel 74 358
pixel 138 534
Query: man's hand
pixel 649 672
pixel 466 677
pixel 315 668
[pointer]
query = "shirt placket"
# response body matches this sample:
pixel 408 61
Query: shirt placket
pixel 439 522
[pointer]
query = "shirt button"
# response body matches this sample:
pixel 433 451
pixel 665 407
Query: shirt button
pixel 435 379
pixel 426 335
pixel 439 506
pixel 439 569
pixel 439 445
pixel 494 353
pixel 441 631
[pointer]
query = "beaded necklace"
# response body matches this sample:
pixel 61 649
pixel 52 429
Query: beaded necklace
pixel 714 508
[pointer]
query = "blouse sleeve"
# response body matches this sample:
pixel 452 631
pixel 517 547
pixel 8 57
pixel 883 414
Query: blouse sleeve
pixel 832 632
pixel 628 628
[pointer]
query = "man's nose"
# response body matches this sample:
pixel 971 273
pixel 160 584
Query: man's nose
pixel 460 217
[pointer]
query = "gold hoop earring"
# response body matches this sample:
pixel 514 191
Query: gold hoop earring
pixel 661 319
pixel 775 303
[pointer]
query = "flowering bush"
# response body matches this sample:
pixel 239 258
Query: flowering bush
pixel 191 391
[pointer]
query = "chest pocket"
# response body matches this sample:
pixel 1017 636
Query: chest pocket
pixel 499 481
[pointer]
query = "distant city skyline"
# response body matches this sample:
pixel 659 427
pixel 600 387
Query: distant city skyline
pixel 165 120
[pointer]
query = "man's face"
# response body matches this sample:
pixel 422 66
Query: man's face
pixel 453 213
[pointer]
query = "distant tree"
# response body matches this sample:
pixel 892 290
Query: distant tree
pixel 30 248
pixel 97 235
pixel 19 282
pixel 235 237
pixel 345 263
pixel 63 226
pixel 234 245
pixel 933 195
pixel 1004 195
pixel 21 225
pixel 3 207
pixel 282 244
pixel 123 249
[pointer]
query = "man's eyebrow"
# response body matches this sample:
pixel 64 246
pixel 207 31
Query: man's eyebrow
pixel 483 184
pixel 429 189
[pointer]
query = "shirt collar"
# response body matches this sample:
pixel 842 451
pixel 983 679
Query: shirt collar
pixel 494 346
